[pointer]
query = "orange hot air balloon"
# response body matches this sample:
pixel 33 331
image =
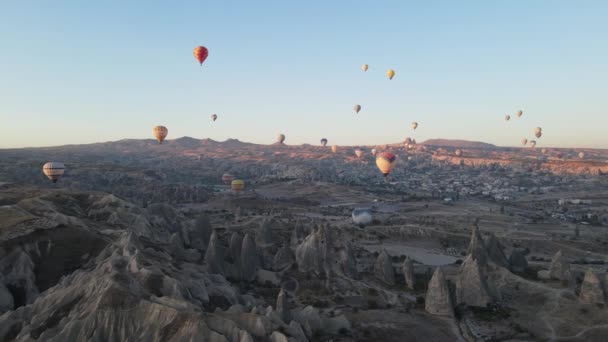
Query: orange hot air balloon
pixel 227 178
pixel 160 133
pixel 200 53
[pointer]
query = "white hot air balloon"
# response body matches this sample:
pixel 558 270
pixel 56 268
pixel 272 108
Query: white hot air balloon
pixel 362 216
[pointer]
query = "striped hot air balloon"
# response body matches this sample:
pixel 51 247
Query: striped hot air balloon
pixel 53 170
pixel 385 162
pixel 200 53
pixel 160 133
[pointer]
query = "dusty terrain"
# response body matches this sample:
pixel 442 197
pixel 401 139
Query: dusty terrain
pixel 143 242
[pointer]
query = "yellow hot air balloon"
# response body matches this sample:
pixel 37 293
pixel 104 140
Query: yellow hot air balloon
pixel 237 185
pixel 364 67
pixel 385 162
pixel 53 170
pixel 390 73
pixel 357 108
pixel 160 133
pixel 334 148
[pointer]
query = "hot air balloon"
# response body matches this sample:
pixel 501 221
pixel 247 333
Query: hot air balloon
pixel 524 141
pixel 362 216
pixel 414 125
pixel 507 117
pixel 53 170
pixel 214 117
pixel 537 130
pixel 237 185
pixel 373 151
pixel 200 53
pixel 334 148
pixel 458 153
pixel 543 151
pixel 357 108
pixel 538 134
pixel 532 143
pixel 581 155
pixel 390 73
pixel 227 178
pixel 385 162
pixel 519 113
pixel 358 153
pixel 364 67
pixel 280 138
pixel 407 141
pixel 323 141
pixel 160 133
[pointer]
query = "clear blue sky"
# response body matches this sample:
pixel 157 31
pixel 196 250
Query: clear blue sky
pixel 92 71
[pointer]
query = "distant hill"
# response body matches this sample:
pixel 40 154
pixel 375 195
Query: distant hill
pixel 458 143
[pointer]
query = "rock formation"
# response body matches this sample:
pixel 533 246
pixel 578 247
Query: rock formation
pixel 438 300
pixel 314 253
pixel 559 268
pixel 471 284
pixel 383 268
pixel 518 260
pixel 408 273
pixel 249 258
pixel 214 256
pixel 263 235
pixel 348 261
pixel 591 289
pixel 282 308
pixel 477 246
pixel 494 251
pixel 283 258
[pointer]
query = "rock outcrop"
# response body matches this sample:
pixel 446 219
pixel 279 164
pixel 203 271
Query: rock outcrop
pixel 214 256
pixel 408 273
pixel 438 300
pixel 283 259
pixel 282 308
pixel 518 260
pixel 495 251
pixel 477 247
pixel 249 258
pixel 348 261
pixel 559 268
pixel 591 289
pixel 471 284
pixel 383 268
pixel 314 253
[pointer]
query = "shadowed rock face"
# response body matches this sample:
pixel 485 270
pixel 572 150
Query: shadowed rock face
pixel 383 268
pixel 591 289
pixel 249 258
pixel 438 300
pixel 477 246
pixel 408 273
pixel 348 261
pixel 495 251
pixel 518 261
pixel 214 256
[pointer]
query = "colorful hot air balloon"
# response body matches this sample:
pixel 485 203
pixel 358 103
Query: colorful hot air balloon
pixel 227 178
pixel 519 113
pixel 53 170
pixel 364 67
pixel 200 53
pixel 362 216
pixel 323 141
pixel 507 117
pixel 524 141
pixel 358 153
pixel 385 162
pixel 280 138
pixel 357 108
pixel 237 185
pixel 334 148
pixel 214 117
pixel 414 125
pixel 390 73
pixel 160 133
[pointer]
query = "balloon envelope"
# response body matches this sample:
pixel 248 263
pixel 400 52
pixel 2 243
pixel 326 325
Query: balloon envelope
pixel 323 141
pixel 390 73
pixel 358 153
pixel 237 185
pixel 227 178
pixel 214 117
pixel 357 108
pixel 519 113
pixel 384 162
pixel 281 138
pixel 364 67
pixel 414 125
pixel 53 170
pixel 334 148
pixel 160 133
pixel 507 117
pixel 200 53
pixel 362 216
